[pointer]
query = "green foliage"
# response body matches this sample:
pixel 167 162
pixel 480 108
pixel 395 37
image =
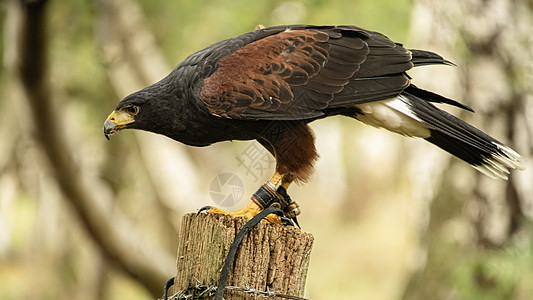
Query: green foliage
pixel 77 68
pixel 182 27
pixel 495 274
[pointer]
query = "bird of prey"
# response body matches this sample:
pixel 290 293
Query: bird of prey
pixel 268 84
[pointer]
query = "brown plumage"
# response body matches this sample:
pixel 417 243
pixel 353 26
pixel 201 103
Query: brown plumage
pixel 268 84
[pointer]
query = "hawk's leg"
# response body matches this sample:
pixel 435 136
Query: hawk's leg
pixel 249 211
pixel 292 144
pixel 272 193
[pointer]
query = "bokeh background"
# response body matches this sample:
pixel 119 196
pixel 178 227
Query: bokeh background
pixel 393 218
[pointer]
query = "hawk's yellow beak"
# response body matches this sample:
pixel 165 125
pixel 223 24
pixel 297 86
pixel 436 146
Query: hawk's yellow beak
pixel 116 121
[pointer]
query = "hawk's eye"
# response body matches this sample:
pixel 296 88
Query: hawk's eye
pixel 133 109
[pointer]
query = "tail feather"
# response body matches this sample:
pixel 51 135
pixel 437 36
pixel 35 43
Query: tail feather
pixel 433 97
pixel 468 143
pixel 423 57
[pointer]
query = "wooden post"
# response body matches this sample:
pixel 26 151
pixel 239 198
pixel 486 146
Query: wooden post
pixel 271 257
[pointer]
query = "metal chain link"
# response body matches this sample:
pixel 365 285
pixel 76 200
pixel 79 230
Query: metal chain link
pixel 209 291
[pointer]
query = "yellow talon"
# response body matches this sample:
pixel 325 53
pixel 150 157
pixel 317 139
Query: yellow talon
pixel 252 208
pixel 249 211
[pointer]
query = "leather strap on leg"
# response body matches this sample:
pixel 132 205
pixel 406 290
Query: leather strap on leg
pixel 266 196
pixel 292 209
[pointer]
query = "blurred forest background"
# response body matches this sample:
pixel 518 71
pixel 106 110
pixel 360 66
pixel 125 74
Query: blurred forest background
pixel 393 218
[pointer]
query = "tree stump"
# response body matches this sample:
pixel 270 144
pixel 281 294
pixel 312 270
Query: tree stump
pixel 271 257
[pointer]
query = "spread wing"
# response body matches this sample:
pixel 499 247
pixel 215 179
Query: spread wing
pixel 297 72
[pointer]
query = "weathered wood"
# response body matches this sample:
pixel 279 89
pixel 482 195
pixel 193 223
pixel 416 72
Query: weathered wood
pixel 271 257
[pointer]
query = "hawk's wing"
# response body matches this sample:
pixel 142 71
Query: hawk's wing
pixel 296 72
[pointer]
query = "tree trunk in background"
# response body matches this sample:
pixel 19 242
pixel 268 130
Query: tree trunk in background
pixel 84 192
pixel 473 216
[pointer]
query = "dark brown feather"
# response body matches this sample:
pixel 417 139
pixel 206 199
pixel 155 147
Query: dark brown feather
pixel 293 146
pixel 295 74
pixel 262 72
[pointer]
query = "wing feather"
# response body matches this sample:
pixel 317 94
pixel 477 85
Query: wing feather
pixel 296 72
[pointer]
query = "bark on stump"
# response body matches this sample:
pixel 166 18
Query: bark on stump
pixel 271 257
